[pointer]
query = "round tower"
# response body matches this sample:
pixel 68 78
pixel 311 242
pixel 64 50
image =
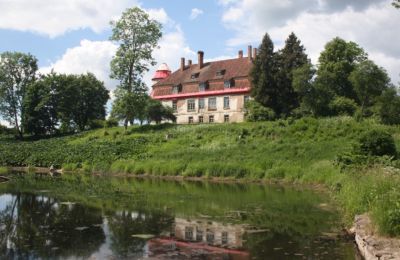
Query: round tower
pixel 162 72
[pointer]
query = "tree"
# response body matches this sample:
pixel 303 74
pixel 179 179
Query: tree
pixel 137 36
pixel 257 112
pixel 263 78
pixel 369 81
pixel 17 71
pixel 389 107
pixel 40 106
pixel 156 112
pixel 81 98
pixel 127 106
pixel 396 3
pixel 336 63
pixel 290 58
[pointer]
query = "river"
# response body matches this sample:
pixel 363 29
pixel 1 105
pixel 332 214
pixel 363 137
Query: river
pixel 128 218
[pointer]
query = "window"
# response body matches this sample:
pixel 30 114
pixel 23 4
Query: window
pixel 195 75
pixel 220 73
pixel 224 237
pixel 246 99
pixel 175 105
pixel 212 103
pixel 191 105
pixel 190 120
pixel 210 237
pixel 211 119
pixel 202 105
pixel 188 233
pixel 201 119
pixel 199 235
pixel 226 102
pixel 228 83
pixel 203 86
pixel 226 118
pixel 176 89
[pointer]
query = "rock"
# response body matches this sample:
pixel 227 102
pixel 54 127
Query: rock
pixel 371 245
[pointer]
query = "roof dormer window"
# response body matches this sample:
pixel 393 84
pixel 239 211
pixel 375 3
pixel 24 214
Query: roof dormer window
pixel 195 75
pixel 176 89
pixel 203 86
pixel 228 83
pixel 220 73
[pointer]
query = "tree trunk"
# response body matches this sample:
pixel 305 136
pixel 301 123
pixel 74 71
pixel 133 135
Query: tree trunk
pixel 126 124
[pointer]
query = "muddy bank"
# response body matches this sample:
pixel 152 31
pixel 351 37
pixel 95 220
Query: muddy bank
pixel 370 244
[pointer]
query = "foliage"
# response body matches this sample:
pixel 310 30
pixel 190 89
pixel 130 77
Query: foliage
pixel 369 81
pixel 377 143
pixel 396 3
pixel 290 58
pixel 336 63
pixel 343 106
pixel 389 107
pixel 137 36
pixel 264 88
pixel 72 101
pixel 111 122
pixel 257 112
pixel 156 112
pixel 17 71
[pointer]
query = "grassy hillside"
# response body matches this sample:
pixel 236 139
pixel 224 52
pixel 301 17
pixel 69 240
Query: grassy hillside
pixel 302 151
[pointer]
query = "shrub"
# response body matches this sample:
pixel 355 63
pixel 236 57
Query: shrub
pixel 96 124
pixel 343 106
pixel 111 122
pixel 257 112
pixel 376 143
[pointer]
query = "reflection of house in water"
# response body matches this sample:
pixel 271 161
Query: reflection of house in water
pixel 210 232
pixel 200 238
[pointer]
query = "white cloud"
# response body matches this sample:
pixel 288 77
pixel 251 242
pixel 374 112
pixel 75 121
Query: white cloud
pixel 89 56
pixel 95 56
pixel 55 17
pixel 370 24
pixel 195 13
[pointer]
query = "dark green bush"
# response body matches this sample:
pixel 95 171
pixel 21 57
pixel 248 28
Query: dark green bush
pixel 257 112
pixel 376 143
pixel 111 122
pixel 343 106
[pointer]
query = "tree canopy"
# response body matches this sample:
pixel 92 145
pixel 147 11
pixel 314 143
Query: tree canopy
pixel 137 36
pixel 17 72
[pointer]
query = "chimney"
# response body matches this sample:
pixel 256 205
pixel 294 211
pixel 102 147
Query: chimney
pixel 189 63
pixel 240 54
pixel 255 53
pixel 249 50
pixel 201 59
pixel 182 64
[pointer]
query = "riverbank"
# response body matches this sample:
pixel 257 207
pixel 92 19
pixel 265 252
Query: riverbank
pixel 293 151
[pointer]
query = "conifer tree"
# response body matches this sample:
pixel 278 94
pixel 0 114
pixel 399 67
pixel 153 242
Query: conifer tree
pixel 290 58
pixel 262 75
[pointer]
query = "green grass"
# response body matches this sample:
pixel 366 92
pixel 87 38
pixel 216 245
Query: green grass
pixel 3 170
pixel 296 151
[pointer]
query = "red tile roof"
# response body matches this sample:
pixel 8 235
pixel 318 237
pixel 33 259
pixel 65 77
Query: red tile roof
pixel 234 69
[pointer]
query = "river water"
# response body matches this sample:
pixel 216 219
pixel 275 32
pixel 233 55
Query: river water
pixel 153 219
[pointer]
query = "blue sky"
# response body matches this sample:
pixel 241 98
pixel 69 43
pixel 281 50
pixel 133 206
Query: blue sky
pixel 71 36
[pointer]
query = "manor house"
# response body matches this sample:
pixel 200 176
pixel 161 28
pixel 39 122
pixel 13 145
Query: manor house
pixel 206 92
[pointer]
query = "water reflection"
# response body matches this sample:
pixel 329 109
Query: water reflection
pixel 172 221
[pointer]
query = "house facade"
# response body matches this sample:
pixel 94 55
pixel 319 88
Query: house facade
pixel 206 92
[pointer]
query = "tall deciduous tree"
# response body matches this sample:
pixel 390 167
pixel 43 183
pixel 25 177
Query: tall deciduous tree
pixel 396 3
pixel 290 58
pixel 263 76
pixel 369 81
pixel 17 71
pixel 137 36
pixel 336 63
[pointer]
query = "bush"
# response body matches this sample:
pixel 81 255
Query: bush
pixel 96 124
pixel 111 122
pixel 343 106
pixel 376 143
pixel 257 112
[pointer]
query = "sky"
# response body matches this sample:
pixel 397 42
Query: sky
pixel 72 36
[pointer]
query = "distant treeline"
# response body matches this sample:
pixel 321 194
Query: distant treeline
pixel 345 82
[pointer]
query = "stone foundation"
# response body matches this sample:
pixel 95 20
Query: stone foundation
pixel 371 245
